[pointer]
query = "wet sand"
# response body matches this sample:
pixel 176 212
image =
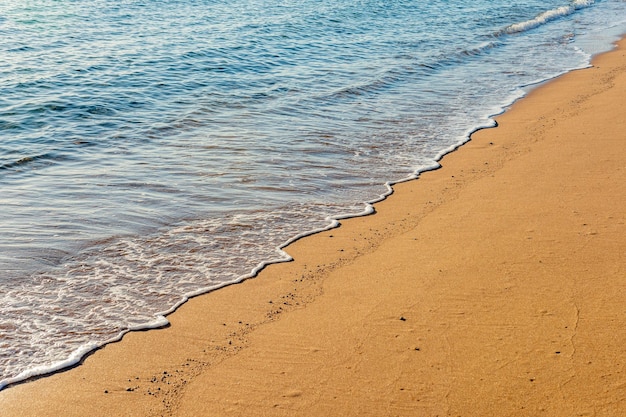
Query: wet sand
pixel 494 286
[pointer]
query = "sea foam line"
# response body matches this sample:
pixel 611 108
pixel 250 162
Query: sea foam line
pixel 78 355
pixel 548 16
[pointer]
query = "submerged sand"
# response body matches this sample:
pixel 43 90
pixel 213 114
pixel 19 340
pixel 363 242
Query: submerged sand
pixel 494 286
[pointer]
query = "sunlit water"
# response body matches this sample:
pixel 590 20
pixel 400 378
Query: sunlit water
pixel 154 150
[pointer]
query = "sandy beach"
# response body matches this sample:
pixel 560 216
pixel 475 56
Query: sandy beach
pixel 494 286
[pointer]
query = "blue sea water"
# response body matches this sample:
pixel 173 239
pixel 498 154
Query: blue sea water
pixel 150 151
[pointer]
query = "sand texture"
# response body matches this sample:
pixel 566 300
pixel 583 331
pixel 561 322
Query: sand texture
pixel 494 286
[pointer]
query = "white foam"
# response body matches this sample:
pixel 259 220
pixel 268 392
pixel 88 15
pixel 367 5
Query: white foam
pixel 547 16
pixel 579 4
pixel 77 355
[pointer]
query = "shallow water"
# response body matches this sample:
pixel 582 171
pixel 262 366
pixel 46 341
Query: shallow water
pixel 154 150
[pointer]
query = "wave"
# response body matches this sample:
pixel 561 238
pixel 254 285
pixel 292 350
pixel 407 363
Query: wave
pixel 422 69
pixel 26 160
pixel 546 17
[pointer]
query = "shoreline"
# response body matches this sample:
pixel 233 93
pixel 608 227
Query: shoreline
pixel 268 366
pixel 159 319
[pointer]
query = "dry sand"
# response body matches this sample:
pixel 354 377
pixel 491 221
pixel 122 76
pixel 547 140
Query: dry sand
pixel 495 286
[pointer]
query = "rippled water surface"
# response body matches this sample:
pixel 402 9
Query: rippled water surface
pixel 153 150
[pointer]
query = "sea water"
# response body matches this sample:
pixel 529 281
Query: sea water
pixel 150 151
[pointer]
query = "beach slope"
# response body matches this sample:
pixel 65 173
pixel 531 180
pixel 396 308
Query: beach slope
pixel 494 286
